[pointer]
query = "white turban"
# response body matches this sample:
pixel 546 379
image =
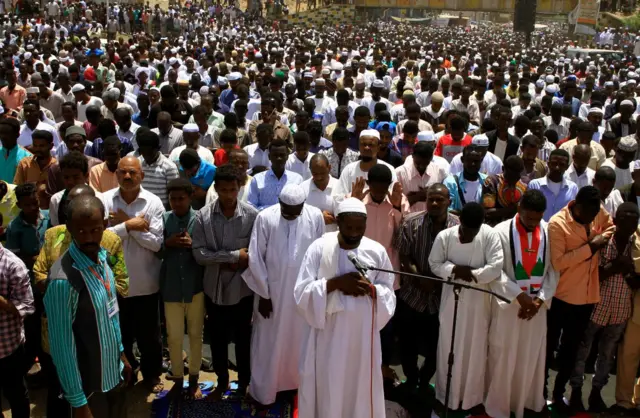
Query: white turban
pixel 351 205
pixel 370 132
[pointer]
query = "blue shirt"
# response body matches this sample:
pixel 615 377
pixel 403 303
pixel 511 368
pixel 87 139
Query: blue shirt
pixel 568 192
pixel 575 104
pixel 205 175
pixel 25 239
pixel 9 162
pixel 98 145
pixel 265 187
pixel 227 97
pixel 454 192
pixel 323 144
pixel 137 118
pixel 61 304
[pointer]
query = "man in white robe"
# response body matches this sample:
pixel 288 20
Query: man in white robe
pixel 470 252
pixel 281 235
pixel 341 360
pixel 518 332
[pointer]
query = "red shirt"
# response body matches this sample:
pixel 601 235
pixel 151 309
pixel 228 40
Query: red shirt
pixel 220 157
pixel 448 148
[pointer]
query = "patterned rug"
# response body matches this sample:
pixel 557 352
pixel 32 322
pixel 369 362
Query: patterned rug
pixel 230 406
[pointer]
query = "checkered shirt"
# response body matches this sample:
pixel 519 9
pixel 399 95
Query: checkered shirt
pixel 615 306
pixel 15 287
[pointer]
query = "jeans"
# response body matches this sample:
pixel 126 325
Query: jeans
pixel 12 384
pixel 611 335
pixel 140 321
pixel 175 313
pixel 566 324
pixel 223 321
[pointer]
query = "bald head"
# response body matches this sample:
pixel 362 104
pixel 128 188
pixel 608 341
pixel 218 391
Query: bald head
pixel 80 190
pixel 130 174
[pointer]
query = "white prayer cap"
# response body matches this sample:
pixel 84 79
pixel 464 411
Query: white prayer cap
pixel 308 74
pixel 141 70
pixel 190 128
pixel 27 55
pixel 351 205
pixel 370 132
pixel 378 84
pixel 320 82
pixel 204 90
pixel 480 140
pixel 234 76
pixel 628 143
pixel 326 71
pixel 596 110
pixel 427 136
pixel 292 195
pixel 626 103
pixel 77 88
pixel 551 89
pixel 608 84
pixel 33 90
pixel 172 60
pixel 540 84
pixel 632 81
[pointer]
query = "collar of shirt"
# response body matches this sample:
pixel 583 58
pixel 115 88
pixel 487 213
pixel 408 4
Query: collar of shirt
pixel 142 195
pixel 327 190
pixel 82 262
pixel 563 184
pixel 239 211
pixel 368 201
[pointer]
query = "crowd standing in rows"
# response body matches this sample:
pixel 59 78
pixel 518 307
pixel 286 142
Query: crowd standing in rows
pixel 224 171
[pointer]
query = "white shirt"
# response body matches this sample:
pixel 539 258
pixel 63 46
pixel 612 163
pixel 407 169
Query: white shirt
pixel 623 176
pixel 501 148
pixel 204 153
pixel 257 157
pixel 471 190
pixel 490 164
pixel 553 186
pixel 54 206
pixel 24 140
pixel 139 247
pixel 301 167
pixel 82 108
pixel 585 179
pixel 321 199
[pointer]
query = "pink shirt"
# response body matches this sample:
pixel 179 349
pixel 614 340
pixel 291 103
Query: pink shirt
pixel 412 181
pixel 382 223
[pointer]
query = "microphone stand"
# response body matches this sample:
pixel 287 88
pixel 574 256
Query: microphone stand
pixel 457 288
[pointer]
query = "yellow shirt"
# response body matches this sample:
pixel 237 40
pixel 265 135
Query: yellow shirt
pixel 8 207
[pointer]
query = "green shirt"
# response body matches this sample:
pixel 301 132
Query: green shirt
pixel 9 162
pixel 25 239
pixel 181 276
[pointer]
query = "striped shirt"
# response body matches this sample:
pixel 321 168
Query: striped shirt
pixel 61 304
pixel 158 175
pixel 414 240
pixel 15 287
pixel 169 141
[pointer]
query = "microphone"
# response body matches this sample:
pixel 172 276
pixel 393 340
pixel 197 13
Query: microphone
pixel 362 269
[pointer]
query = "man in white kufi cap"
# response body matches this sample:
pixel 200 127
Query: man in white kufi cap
pixel 345 312
pixel 490 163
pixel 281 235
pixel 622 163
pixel 376 88
pixel 356 172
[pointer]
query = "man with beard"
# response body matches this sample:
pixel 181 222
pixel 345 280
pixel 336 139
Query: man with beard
pixel 345 312
pixel 517 336
pixel 281 235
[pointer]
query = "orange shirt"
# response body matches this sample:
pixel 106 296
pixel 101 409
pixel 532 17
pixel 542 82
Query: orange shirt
pixel 28 171
pixel 571 255
pixel 13 99
pixel 101 179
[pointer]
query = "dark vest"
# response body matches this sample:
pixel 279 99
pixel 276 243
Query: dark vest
pixel 85 327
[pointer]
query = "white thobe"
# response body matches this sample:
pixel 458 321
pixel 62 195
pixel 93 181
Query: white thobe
pixel 517 348
pixel 484 256
pixel 341 361
pixel 277 248
pixel 352 172
pixel 491 164
pixel 623 175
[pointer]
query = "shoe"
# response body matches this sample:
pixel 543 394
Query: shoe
pixel 596 404
pixel 575 402
pixel 559 407
pixel 621 411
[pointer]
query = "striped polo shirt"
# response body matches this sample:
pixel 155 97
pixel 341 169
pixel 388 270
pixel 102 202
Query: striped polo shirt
pixel 158 175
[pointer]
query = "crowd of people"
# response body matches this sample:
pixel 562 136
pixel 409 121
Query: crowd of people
pixel 222 179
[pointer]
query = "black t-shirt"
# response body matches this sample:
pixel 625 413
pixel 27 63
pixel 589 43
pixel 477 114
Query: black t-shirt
pixel 181 113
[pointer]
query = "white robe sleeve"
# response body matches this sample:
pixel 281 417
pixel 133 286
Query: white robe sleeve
pixel 257 275
pixel 438 259
pixel 310 291
pixel 551 279
pixel 385 296
pixel 506 287
pixel 492 254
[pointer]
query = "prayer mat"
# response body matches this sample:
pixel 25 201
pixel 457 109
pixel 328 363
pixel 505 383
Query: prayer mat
pixel 229 407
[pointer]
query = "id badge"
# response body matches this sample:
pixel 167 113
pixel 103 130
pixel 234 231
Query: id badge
pixel 112 307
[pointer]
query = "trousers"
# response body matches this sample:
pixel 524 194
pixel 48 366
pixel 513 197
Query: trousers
pixel 175 313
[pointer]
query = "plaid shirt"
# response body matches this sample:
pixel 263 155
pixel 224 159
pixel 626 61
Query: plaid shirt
pixel 414 240
pixel 616 296
pixel 15 287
